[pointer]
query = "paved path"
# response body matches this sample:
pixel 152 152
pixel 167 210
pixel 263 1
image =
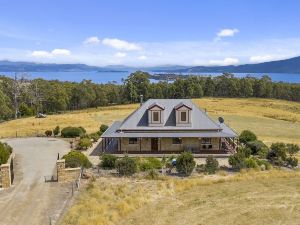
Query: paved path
pixel 32 201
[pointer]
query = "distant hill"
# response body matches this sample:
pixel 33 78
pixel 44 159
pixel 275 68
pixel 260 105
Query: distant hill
pixel 291 65
pixel 8 66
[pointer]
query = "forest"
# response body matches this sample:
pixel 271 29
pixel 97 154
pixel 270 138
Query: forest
pixel 21 98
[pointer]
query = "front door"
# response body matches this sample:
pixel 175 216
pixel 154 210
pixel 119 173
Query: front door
pixel 154 144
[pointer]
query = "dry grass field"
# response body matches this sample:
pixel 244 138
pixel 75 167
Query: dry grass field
pixel 270 197
pixel 272 120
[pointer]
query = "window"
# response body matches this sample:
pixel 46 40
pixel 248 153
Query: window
pixel 155 116
pixel 206 140
pixel 177 141
pixel 133 141
pixel 183 116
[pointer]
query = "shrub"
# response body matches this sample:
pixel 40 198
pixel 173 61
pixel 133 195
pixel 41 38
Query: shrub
pixel 277 154
pixel 108 161
pixel 264 165
pixel 126 166
pixel 82 129
pixel 263 152
pixel 71 132
pixel 149 163
pixel 76 159
pixel 103 128
pixel 292 161
pixel 185 163
pixel 247 136
pixel 95 136
pixel 212 165
pixel 5 151
pixel 255 146
pixel 237 160
pixel 84 143
pixel 250 163
pixel 48 133
pixel 292 149
pixel 56 131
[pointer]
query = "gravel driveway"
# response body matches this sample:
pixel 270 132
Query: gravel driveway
pixel 31 200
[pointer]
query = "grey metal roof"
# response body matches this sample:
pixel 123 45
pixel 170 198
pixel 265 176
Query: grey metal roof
pixel 113 132
pixel 138 120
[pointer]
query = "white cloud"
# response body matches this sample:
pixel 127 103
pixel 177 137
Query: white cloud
pixel 92 41
pixel 54 52
pixel 227 32
pixel 120 54
pixel 61 51
pixel 120 44
pixel 262 58
pixel 224 62
pixel 41 54
pixel 142 57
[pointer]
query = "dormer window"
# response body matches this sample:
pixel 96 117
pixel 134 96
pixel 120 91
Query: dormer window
pixel 156 114
pixel 183 115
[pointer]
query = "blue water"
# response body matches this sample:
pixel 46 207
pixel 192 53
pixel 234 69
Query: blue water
pixel 105 77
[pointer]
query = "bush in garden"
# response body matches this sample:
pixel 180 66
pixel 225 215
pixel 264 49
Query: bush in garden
pixel 82 129
pixel 95 136
pixel 264 165
pixel 103 128
pixel 200 168
pixel 76 159
pixel 185 163
pixel 255 146
pixel 71 132
pixel 48 133
pixel 84 143
pixel 212 165
pixel 247 136
pixel 56 131
pixel 108 161
pixel 263 152
pixel 237 160
pixel 5 151
pixel 292 161
pixel 126 166
pixel 277 154
pixel 251 163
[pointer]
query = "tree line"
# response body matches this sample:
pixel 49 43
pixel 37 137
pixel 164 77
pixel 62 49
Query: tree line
pixel 32 96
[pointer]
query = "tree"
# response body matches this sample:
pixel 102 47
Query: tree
pixel 185 163
pixel 6 109
pixel 56 131
pixel 247 136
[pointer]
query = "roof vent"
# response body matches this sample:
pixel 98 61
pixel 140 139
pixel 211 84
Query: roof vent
pixel 221 120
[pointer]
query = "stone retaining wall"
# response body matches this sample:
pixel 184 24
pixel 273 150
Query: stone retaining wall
pixel 6 173
pixel 66 174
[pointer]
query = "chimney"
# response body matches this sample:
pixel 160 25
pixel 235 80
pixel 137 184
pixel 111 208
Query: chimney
pixel 141 100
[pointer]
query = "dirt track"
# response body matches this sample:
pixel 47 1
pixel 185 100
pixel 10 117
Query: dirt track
pixel 32 201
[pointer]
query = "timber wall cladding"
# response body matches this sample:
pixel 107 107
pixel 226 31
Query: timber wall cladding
pixel 66 174
pixel 6 173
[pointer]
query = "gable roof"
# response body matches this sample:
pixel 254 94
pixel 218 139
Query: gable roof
pixel 138 120
pixel 181 104
pixel 156 104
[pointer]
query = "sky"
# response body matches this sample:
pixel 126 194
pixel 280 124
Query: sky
pixel 149 32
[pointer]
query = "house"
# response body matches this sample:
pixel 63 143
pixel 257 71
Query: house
pixel 169 126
